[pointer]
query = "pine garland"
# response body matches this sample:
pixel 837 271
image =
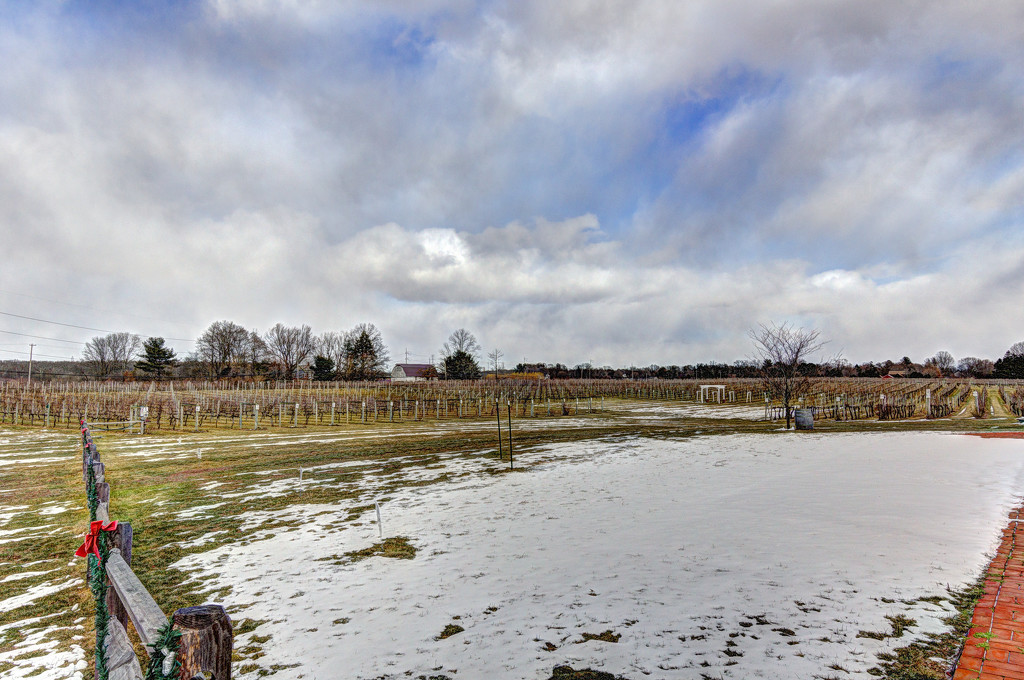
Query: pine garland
pixel 163 662
pixel 97 577
pixel 92 494
pixel 98 585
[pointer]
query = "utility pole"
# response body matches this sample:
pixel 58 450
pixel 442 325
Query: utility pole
pixel 31 346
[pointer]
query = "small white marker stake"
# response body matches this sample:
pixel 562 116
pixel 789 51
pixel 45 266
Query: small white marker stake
pixel 300 474
pixel 199 454
pixel 380 526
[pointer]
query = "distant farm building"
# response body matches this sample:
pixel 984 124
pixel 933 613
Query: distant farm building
pixel 412 372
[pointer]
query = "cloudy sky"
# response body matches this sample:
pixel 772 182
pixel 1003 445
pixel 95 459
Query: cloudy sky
pixel 625 182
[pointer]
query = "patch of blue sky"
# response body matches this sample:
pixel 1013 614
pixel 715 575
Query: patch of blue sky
pixel 948 66
pixel 688 118
pixel 107 17
pixel 1008 224
pixel 688 114
pixel 89 32
pixel 395 44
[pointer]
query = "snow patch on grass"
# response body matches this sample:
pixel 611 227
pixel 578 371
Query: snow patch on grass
pixel 36 592
pixel 735 556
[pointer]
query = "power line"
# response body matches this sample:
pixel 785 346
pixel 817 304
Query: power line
pixel 42 337
pixel 72 304
pixel 71 325
pixel 57 323
pixel 21 344
pixel 49 356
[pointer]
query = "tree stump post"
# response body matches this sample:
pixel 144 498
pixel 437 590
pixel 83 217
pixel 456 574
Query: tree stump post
pixel 206 640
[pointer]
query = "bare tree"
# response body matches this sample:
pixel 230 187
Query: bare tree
pixel 495 357
pixel 943 362
pixel 974 367
pixel 1016 349
pixel 113 352
pixel 331 345
pixel 221 345
pixel 289 345
pixel 256 354
pixel 780 349
pixel 97 353
pixel 461 340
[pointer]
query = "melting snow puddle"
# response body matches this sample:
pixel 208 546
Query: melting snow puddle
pixel 690 410
pixel 707 555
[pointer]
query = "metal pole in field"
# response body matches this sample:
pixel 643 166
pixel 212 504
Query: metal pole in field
pixel 31 346
pixel 509 435
pixel 497 411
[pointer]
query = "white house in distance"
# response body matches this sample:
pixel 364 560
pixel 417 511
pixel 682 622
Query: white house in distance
pixel 410 372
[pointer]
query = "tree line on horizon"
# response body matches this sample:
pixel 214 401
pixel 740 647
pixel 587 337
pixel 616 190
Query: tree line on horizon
pixel 228 350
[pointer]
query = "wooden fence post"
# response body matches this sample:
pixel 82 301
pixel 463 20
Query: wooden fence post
pixel 206 641
pixel 97 471
pixel 103 496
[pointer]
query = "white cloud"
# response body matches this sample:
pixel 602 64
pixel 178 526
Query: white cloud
pixel 571 181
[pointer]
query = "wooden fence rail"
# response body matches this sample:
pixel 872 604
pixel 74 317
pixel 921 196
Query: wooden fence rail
pixel 204 650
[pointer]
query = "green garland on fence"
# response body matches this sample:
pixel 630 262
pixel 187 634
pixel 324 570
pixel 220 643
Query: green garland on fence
pixel 97 578
pixel 91 492
pixel 98 586
pixel 163 662
pixel 165 649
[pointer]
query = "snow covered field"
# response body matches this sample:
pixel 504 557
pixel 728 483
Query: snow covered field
pixel 731 556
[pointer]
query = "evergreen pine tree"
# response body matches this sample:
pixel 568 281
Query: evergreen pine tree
pixel 323 368
pixel 461 366
pixel 156 358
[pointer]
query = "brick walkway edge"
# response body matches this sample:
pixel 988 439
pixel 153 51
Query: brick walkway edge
pixel 994 649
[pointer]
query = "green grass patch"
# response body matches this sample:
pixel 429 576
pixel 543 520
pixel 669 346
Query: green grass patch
pixel 397 547
pixel 450 630
pixel 567 673
pixel 932 657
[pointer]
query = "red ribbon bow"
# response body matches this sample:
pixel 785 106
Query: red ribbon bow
pixel 92 539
